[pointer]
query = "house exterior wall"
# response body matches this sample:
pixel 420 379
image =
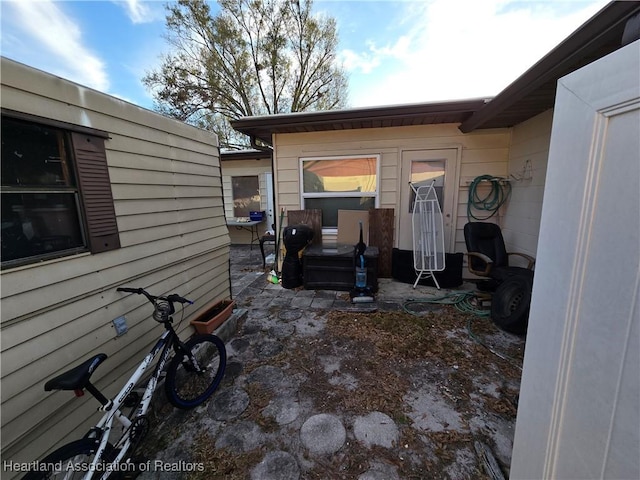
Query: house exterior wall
pixel 528 155
pixel 167 193
pixel 233 168
pixel 481 152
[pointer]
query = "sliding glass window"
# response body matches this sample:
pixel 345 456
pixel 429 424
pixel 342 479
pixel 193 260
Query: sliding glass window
pixel 339 183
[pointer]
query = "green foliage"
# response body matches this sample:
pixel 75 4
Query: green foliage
pixel 254 57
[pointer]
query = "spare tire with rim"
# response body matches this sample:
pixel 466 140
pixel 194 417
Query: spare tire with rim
pixel 510 304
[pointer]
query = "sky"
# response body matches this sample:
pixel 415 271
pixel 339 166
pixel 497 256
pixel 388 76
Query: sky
pixel 395 52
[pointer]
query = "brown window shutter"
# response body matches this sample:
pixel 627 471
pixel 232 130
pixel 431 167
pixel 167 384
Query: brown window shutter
pixel 95 190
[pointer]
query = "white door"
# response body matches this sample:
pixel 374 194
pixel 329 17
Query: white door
pixel 268 178
pixel 422 167
pixel 579 411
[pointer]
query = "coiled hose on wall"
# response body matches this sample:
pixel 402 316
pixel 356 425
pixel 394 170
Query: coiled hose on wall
pixel 491 202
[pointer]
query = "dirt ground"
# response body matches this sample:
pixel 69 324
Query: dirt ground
pixel 443 389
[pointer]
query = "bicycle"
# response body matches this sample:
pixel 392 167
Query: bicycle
pixel 192 375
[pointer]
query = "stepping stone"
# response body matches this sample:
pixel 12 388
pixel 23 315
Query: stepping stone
pixel 323 434
pixel 239 344
pixel 276 465
pixel 243 437
pixel 268 349
pixel 282 330
pixel 283 410
pixel 229 404
pixel 290 315
pixel 380 472
pixel 232 371
pixel 251 327
pixel 267 375
pixel 376 429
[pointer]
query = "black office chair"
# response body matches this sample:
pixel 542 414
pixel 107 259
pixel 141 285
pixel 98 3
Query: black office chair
pixel 510 285
pixel 488 256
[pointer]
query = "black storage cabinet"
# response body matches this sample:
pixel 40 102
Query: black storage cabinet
pixel 334 268
pixel 403 271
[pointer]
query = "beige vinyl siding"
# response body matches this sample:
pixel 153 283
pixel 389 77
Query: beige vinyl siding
pixel 479 161
pixel 167 192
pixel 482 152
pixel 521 223
pixel 241 168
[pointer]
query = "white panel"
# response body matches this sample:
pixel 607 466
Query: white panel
pixel 579 395
pixel 603 311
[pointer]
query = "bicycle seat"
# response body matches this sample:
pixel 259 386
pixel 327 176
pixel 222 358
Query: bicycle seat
pixel 78 377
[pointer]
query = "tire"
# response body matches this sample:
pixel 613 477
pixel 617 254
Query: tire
pixel 510 304
pixel 74 458
pixel 187 388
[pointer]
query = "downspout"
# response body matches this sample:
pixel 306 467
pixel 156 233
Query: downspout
pixel 254 144
pixel 224 213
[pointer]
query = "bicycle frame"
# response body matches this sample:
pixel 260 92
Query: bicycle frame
pixel 112 408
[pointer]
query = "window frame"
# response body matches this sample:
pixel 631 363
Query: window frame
pixel 375 195
pixel 92 192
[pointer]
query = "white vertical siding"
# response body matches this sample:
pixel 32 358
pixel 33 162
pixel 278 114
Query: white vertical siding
pixel 483 152
pixel 529 143
pixel 167 192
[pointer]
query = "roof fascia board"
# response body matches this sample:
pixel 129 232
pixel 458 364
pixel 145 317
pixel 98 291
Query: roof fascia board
pixel 330 117
pixel 245 155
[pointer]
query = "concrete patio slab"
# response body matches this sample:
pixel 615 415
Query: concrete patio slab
pixel 301 398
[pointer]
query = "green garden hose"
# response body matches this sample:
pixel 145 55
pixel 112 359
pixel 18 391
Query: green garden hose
pixel 492 201
pixel 463 302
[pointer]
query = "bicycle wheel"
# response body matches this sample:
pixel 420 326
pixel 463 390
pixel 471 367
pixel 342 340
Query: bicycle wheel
pixel 70 461
pixel 188 385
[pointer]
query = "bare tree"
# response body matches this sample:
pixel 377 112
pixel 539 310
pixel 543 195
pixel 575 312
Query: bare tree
pixel 254 57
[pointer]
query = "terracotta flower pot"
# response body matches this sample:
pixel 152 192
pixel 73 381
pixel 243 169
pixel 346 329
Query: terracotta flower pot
pixel 213 317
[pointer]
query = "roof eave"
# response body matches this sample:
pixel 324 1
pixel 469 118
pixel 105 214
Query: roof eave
pixel 249 154
pixel 264 127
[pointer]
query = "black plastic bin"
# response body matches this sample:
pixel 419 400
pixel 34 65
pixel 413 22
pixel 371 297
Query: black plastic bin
pixel 403 271
pixel 295 238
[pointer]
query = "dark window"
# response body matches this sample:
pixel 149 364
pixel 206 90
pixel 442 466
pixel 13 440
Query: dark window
pixel 246 195
pixel 56 194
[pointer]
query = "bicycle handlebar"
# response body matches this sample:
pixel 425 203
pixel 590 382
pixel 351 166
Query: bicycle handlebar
pixel 129 290
pixel 173 298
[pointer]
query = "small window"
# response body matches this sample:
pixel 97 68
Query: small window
pixel 342 183
pixel 246 195
pixel 426 172
pixel 46 211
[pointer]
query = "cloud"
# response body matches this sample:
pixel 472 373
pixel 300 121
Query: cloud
pixel 140 11
pixel 454 49
pixel 362 62
pixel 58 42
